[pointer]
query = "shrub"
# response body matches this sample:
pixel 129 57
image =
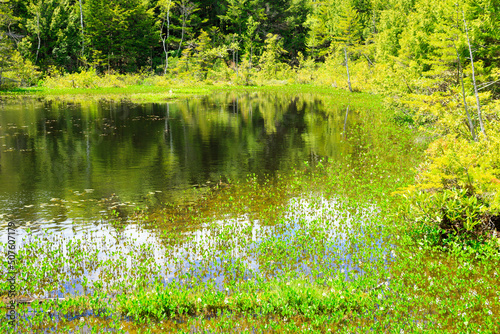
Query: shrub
pixel 458 188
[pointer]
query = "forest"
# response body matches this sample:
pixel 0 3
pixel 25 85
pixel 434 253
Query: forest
pixel 414 39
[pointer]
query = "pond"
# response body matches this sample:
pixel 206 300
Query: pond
pixel 67 162
pixel 209 194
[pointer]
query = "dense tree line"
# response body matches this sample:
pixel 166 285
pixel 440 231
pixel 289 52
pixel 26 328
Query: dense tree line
pixel 129 35
pixel 415 37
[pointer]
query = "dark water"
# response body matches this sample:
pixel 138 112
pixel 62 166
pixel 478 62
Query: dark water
pixel 62 161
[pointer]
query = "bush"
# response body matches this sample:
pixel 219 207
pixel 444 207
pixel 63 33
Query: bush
pixel 458 188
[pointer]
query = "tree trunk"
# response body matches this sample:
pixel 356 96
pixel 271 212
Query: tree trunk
pixel 236 63
pixel 471 125
pixel 164 39
pixel 165 47
pixel 347 69
pixel 251 54
pixel 81 23
pixel 38 34
pixel 166 55
pixel 474 78
pixel 183 27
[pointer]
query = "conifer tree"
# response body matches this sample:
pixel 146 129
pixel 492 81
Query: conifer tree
pixel 6 45
pixel 349 35
pixel 120 33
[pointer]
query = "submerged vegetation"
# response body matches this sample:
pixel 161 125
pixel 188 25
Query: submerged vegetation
pixel 399 233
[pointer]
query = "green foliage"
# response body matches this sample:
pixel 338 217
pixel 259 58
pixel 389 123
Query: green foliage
pixel 53 36
pixel 451 210
pixel 15 71
pixel 120 34
pixel 91 79
pixel 458 188
pixel 270 66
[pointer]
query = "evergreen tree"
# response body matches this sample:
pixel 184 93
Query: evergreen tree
pixel 51 33
pixel 6 44
pixel 121 34
pixel 349 35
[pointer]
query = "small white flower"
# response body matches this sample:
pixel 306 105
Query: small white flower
pixel 324 294
pixel 379 296
pixel 226 301
pixel 199 300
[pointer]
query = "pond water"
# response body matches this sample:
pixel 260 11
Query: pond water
pixel 74 172
pixel 66 162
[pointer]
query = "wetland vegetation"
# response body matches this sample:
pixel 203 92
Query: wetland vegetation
pixel 251 166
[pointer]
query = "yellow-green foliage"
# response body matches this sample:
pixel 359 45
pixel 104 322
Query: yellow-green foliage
pixel 20 72
pixel 90 79
pixel 271 68
pixel 458 187
pixel 461 163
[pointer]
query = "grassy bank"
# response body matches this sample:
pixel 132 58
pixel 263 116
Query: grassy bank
pixel 172 91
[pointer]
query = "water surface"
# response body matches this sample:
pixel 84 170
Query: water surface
pixel 65 162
